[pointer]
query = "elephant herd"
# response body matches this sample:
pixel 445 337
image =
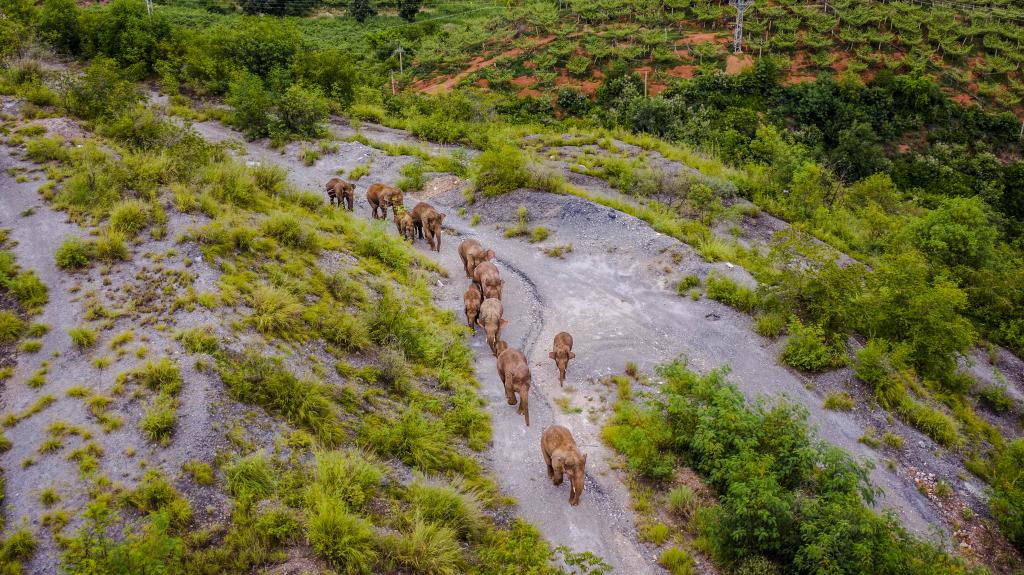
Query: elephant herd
pixel 483 309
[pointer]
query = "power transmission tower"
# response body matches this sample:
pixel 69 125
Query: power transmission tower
pixel 401 52
pixel 149 7
pixel 737 39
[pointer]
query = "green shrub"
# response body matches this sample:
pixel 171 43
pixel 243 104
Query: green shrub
pixel 413 178
pixel 344 540
pixel 251 103
pixel 807 349
pixel 156 494
pixel 130 216
pixel 840 401
pixel 159 419
pixel 231 182
pixel 358 172
pixel 689 282
pixel 874 367
pixel 996 398
pixel 677 561
pixel 82 337
pixel 425 548
pixel 43 149
pixel 73 254
pixel 11 327
pixel 500 170
pixel 269 178
pixel 1007 501
pixel 935 424
pixel 302 111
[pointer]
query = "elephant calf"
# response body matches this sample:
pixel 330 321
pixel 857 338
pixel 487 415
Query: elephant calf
pixel 380 197
pixel 472 300
pixel 472 254
pixel 563 458
pixel 341 192
pixel 562 354
pixel 428 221
pixel 514 372
pixel 490 319
pixel 488 279
pixel 403 222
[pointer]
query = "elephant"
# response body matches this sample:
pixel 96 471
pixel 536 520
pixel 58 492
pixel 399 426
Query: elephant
pixel 490 319
pixel 514 372
pixel 342 192
pixel 472 253
pixel 403 222
pixel 488 279
pixel 472 299
pixel 562 354
pixel 428 221
pixel 563 457
pixel 380 197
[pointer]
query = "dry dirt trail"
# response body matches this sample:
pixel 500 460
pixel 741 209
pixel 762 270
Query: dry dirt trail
pixel 612 295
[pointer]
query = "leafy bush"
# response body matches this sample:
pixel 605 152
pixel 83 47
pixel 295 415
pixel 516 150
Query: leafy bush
pixel 807 349
pixel 73 253
pixel 58 25
pixel 11 327
pixel 251 103
pixel 996 398
pixel 1007 501
pixel 500 170
pixel 302 111
pixel 101 92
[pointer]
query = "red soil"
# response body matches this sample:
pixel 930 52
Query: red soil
pixel 683 71
pixel 702 37
pixel 441 84
pixel 735 64
pixel 524 81
pixel 798 79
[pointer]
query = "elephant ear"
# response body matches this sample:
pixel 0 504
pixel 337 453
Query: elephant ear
pixel 552 355
pixel 489 254
pixel 504 322
pixel 441 218
pixel 572 355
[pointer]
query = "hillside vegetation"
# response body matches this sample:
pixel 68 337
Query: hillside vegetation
pixel 903 256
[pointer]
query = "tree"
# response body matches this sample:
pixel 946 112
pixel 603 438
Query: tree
pixel 362 9
pixel 58 25
pixel 958 232
pixel 408 9
pixel 858 153
pixel 287 8
pixel 252 104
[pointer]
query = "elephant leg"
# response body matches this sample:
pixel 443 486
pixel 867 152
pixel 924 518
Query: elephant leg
pixel 510 395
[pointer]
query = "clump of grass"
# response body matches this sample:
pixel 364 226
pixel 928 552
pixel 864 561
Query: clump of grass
pixel 73 254
pixel 200 471
pixel 770 324
pixel 38 379
pixel 309 156
pixel 159 420
pixel 289 231
pixel 996 398
pixel 122 338
pixel 129 216
pixel 346 541
pixel 870 437
pixel 687 283
pixel 359 171
pixel 943 489
pixel 37 330
pixel 199 340
pixel 727 291
pixel 11 327
pixel 275 311
pixel 655 533
pixel 29 290
pixel 30 346
pixel 558 251
pixel 893 440
pixel 377 243
pixel 160 375
pixel 351 477
pixel 538 234
pixel 111 247
pixel 682 501
pixel 49 497
pixel 83 337
pixel 677 561
pixel 839 401
pixel 424 548
pixel 522 224
pixel 452 504
pixel 473 221
pixel 251 479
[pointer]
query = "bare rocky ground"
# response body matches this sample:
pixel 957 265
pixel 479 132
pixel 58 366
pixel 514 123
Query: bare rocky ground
pixel 614 293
